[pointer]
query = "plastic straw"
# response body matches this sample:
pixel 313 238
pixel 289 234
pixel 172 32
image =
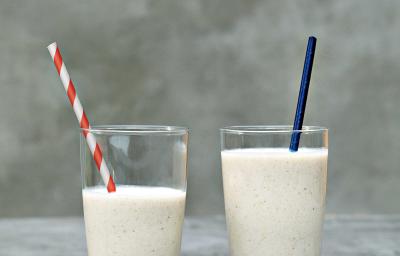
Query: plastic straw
pixel 302 100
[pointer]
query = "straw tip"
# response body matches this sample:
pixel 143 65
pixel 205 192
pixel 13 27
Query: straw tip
pixel 312 38
pixel 52 45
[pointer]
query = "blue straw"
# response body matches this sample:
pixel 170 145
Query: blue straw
pixel 302 100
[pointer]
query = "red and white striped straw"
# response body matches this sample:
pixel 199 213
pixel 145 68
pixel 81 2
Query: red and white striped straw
pixel 80 114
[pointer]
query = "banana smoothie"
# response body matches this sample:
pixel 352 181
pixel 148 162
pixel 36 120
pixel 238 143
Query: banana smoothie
pixel 134 220
pixel 274 200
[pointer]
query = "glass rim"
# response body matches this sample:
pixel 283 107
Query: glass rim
pixel 270 129
pixel 136 129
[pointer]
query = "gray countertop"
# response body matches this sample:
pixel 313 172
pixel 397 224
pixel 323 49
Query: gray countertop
pixel 375 235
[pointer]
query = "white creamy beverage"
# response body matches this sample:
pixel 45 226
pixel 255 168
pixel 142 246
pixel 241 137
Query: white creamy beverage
pixel 134 221
pixel 274 200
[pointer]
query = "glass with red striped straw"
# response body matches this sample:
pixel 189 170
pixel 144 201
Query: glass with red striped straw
pixel 144 214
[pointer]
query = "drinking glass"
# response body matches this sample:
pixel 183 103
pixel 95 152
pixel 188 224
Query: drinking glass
pixel 145 214
pixel 274 198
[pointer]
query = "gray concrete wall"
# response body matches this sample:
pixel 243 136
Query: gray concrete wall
pixel 202 64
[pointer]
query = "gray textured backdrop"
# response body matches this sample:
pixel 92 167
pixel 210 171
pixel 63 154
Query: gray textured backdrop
pixel 202 64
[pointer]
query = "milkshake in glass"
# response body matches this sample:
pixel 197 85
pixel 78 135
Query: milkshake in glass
pixel 145 215
pixel 274 198
pixel 144 220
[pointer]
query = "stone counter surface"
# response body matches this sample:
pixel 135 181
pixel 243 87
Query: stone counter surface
pixel 364 235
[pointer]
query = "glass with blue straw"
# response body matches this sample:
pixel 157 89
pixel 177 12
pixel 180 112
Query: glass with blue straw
pixel 275 195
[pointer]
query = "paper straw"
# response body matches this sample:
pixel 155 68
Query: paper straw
pixel 302 100
pixel 81 116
